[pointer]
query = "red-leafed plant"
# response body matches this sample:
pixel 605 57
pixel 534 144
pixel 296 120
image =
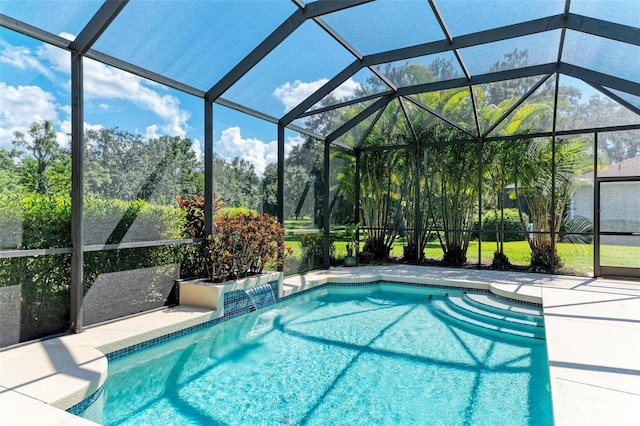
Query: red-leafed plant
pixel 194 210
pixel 243 244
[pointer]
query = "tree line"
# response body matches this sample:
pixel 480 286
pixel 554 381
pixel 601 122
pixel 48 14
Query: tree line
pixel 119 164
pixel 123 165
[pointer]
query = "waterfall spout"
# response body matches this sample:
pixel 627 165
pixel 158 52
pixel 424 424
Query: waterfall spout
pixel 261 296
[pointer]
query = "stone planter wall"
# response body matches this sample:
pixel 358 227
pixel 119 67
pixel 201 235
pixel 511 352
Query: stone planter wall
pixel 228 298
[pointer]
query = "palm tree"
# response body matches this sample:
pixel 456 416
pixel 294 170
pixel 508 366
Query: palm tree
pixel 546 195
pixel 383 193
pixel 449 183
pixel 501 158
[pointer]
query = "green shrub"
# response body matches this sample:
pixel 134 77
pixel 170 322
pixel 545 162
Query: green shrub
pixel 511 223
pixel 116 221
pixel 243 244
pixel 36 221
pixel 11 221
pixel 233 211
pixel 577 230
pixel 312 246
pixel 42 284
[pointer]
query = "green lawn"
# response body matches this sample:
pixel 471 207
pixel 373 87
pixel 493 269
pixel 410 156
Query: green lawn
pixel 576 258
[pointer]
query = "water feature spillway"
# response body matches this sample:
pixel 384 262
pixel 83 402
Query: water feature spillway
pixel 261 296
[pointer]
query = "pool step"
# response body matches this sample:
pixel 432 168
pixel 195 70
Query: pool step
pixel 501 319
pixel 487 302
pixel 451 310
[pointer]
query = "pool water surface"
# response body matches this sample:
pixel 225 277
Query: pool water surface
pixel 346 356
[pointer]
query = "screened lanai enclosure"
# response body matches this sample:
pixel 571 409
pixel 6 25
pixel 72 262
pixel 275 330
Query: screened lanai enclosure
pixel 479 134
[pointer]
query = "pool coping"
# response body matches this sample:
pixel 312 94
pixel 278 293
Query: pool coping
pixel 592 331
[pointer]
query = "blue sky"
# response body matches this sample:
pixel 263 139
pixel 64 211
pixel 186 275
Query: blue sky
pixel 35 85
pixel 35 77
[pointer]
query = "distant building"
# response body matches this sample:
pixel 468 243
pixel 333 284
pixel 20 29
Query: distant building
pixel 619 203
pixel 630 167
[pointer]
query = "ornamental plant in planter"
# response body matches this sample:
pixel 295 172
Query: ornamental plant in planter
pixel 243 242
pixel 242 245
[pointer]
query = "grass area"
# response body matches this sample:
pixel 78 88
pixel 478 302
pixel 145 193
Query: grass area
pixel 576 258
pixel 294 243
pixel 617 256
pixel 298 224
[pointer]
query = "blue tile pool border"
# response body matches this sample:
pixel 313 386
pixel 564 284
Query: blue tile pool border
pixel 86 403
pixel 236 303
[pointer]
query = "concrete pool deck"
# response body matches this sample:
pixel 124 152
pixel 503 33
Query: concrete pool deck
pixel 592 335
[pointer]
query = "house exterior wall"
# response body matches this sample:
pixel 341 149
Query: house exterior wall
pixel 619 208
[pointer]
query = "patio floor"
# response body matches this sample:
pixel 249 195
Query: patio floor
pixel 592 331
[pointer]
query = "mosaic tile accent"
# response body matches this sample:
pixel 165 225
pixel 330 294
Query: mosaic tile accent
pixel 129 350
pixel 522 303
pixel 236 303
pixel 86 403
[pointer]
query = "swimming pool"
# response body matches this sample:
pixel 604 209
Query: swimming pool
pixel 377 354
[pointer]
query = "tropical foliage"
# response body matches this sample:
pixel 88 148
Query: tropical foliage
pixel 426 174
pixel 427 180
pixel 243 244
pixel 544 175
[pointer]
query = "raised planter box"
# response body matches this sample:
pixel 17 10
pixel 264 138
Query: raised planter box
pixel 205 294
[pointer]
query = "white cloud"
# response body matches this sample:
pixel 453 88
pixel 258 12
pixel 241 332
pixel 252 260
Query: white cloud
pixel 151 132
pixel 23 58
pixel 103 83
pixel 63 138
pixel 255 151
pixel 57 59
pixel 291 142
pixel 22 106
pixel 291 94
pixel 346 90
pixel 195 147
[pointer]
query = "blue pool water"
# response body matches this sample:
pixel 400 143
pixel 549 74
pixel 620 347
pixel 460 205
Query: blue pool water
pixel 363 356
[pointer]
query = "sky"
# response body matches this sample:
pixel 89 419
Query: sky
pixel 35 85
pixel 35 77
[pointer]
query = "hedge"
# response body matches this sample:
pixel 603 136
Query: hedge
pixel 34 221
pixel 511 223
